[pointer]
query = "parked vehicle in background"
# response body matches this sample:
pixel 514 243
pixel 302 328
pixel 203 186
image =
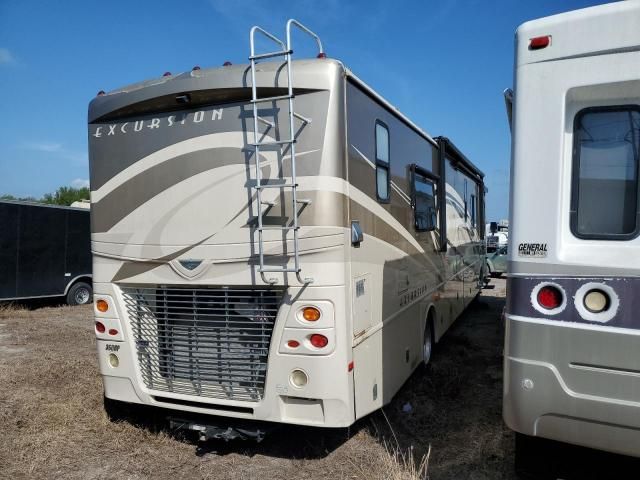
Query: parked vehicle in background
pixel 571 369
pixel 497 235
pixel 497 262
pixel 45 251
pixel 273 242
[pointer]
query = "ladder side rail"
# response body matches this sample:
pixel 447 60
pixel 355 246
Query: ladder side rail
pixel 271 37
pixel 294 23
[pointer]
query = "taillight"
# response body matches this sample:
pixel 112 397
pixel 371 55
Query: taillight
pixel 113 331
pixel 100 328
pixel 102 305
pixel 596 301
pixel 539 43
pixel 549 297
pixel 311 314
pixel 318 341
pixel 293 344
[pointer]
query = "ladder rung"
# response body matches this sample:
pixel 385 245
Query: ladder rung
pixel 282 229
pixel 265 202
pixel 270 54
pixel 302 118
pixel 267 122
pixel 271 99
pixel 304 201
pixel 278 269
pixel 277 185
pixel 271 144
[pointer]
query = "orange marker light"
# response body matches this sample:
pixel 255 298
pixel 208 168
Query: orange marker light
pixel 311 314
pixel 102 305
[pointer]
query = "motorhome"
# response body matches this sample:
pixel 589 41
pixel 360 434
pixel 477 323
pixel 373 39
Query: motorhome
pixel 273 241
pixel 45 252
pixel 571 365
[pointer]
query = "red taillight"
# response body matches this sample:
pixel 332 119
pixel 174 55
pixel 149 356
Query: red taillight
pixel 100 328
pixel 350 366
pixel 318 341
pixel 539 42
pixel 293 344
pixel 549 297
pixel 113 331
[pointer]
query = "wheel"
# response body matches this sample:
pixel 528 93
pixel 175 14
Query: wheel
pixel 427 343
pixel 533 458
pixel 116 411
pixel 80 293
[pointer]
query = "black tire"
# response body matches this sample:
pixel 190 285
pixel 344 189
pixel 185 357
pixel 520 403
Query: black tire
pixel 533 458
pixel 116 411
pixel 80 293
pixel 427 342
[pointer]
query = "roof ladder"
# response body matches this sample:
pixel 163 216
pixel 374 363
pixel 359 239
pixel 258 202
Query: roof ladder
pixel 286 51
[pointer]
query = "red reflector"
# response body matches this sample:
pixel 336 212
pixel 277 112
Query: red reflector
pixel 322 55
pixel 293 344
pixel 350 366
pixel 226 64
pixel 539 42
pixel 318 341
pixel 100 327
pixel 166 74
pixel 113 331
pixel 549 297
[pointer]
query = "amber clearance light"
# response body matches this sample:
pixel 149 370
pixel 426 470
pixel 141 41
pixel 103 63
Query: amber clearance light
pixel 102 305
pixel 311 314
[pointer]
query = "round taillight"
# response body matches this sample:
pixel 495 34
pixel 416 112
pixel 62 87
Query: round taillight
pixel 102 305
pixel 113 331
pixel 293 344
pixel 318 341
pixel 100 328
pixel 311 314
pixel 549 297
pixel 596 301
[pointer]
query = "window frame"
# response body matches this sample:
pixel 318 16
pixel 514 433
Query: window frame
pixel 382 163
pixel 434 180
pixel 575 178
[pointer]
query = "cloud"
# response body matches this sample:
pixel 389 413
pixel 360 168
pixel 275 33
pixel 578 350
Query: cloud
pixel 44 146
pixel 80 183
pixel 58 151
pixel 6 57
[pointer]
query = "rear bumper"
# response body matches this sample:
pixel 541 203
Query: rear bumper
pixel 550 392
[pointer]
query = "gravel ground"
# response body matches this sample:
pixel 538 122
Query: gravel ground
pixel 52 424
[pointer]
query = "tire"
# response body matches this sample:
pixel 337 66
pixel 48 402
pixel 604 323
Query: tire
pixel 80 293
pixel 116 411
pixel 427 343
pixel 533 458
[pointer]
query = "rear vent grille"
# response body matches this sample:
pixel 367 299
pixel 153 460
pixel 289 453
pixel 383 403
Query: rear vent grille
pixel 208 342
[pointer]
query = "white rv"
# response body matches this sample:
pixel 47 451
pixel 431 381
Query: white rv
pixel 572 347
pixel 273 241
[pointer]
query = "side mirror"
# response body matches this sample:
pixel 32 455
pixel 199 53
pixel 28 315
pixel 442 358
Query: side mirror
pixel 356 233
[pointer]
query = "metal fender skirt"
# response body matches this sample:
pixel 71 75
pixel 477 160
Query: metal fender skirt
pixel 206 342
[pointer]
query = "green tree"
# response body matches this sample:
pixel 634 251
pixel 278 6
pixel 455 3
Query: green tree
pixel 66 196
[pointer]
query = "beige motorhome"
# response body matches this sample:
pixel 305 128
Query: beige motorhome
pixel 273 241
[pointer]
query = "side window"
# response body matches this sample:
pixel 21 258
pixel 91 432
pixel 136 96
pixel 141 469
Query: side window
pixel 473 210
pixel 424 202
pixel 604 197
pixel 382 162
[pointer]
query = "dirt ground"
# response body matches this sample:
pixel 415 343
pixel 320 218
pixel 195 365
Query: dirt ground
pixel 52 423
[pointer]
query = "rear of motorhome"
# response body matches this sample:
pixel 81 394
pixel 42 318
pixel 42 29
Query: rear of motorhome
pixel 572 362
pixel 273 241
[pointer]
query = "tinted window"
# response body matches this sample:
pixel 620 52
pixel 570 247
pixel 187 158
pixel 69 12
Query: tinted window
pixel 382 161
pixel 605 195
pixel 425 203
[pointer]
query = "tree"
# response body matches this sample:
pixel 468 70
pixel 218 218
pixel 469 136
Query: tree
pixel 66 196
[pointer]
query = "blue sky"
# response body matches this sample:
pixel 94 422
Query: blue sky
pixel 443 63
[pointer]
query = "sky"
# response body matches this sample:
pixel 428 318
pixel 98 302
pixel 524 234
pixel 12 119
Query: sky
pixel 442 63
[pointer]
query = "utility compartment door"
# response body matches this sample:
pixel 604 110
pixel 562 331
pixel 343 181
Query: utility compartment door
pixel 9 216
pixel 362 318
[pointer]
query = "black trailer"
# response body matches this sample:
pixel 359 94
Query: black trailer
pixel 45 251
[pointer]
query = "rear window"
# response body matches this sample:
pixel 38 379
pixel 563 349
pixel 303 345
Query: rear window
pixel 604 203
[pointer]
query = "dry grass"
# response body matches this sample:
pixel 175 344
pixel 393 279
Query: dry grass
pixel 52 423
